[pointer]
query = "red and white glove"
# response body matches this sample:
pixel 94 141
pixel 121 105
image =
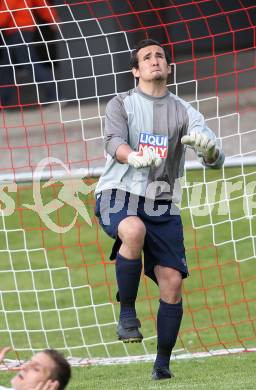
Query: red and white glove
pixel 145 158
pixel 202 144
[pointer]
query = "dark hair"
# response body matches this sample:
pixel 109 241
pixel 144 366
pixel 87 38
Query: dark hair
pixel 141 45
pixel 62 370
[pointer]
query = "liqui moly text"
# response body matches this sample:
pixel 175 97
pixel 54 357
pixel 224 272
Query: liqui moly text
pixel 154 141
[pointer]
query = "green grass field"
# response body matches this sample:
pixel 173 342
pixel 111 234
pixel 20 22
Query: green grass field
pixel 58 290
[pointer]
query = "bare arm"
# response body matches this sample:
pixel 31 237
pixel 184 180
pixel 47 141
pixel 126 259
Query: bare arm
pixel 122 153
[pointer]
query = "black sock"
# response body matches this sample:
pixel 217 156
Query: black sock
pixel 168 324
pixel 128 278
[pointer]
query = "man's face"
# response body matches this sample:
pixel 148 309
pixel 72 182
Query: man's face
pixel 38 370
pixel 152 64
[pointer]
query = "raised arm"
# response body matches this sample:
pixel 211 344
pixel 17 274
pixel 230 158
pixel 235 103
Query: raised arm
pixel 202 139
pixel 117 136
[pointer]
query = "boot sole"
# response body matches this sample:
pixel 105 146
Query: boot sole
pixel 130 340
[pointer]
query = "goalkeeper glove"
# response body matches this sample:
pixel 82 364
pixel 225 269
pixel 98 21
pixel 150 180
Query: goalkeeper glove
pixel 203 145
pixel 145 158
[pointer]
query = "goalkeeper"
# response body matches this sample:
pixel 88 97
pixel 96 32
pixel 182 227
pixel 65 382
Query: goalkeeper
pixel 147 130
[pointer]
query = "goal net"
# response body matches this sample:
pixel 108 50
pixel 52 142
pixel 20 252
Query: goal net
pixel 57 284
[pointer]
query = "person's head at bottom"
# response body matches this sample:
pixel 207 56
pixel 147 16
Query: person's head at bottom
pixel 47 370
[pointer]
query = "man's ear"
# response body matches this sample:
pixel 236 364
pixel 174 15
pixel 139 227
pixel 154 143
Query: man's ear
pixel 136 72
pixel 169 69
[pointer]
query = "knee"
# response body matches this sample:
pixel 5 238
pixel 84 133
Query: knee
pixel 170 284
pixel 171 293
pixel 132 230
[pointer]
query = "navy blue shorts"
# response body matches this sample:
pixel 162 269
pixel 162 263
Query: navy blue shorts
pixel 164 243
